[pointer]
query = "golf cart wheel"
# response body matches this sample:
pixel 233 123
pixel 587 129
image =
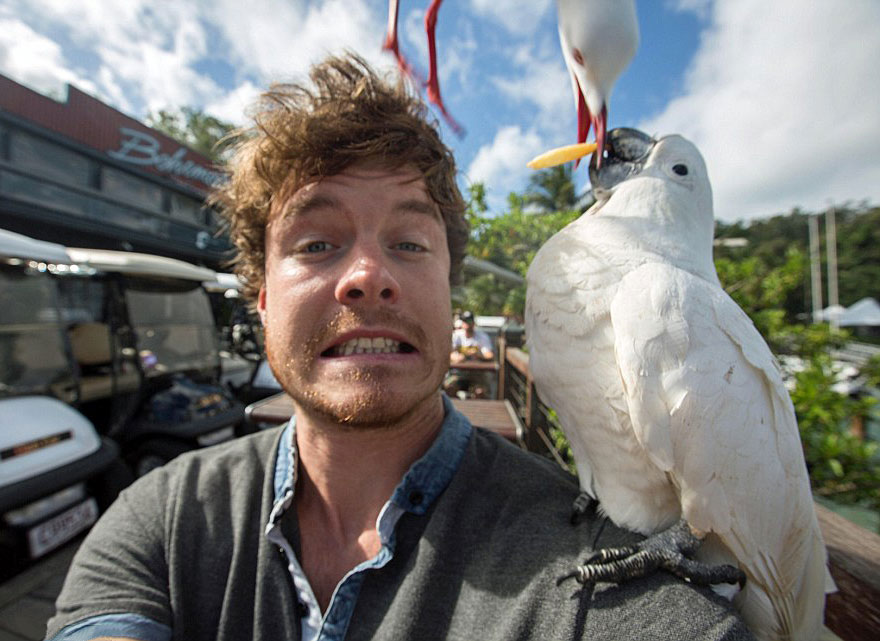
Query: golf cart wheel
pixel 154 454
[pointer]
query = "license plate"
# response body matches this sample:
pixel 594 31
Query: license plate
pixel 61 528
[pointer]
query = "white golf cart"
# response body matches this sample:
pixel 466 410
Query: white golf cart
pixel 144 337
pixel 238 331
pixel 56 472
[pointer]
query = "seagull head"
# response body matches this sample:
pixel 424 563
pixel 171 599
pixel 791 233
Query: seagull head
pixel 598 38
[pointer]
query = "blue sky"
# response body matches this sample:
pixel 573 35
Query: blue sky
pixel 781 97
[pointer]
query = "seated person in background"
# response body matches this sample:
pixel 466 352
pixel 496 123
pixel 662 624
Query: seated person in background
pixel 469 344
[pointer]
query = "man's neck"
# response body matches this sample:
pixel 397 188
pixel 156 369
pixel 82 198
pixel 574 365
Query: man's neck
pixel 349 468
pixel 346 475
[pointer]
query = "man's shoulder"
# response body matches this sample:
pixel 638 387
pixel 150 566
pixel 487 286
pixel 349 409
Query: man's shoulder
pixel 509 464
pixel 236 467
pixel 506 516
pixel 535 494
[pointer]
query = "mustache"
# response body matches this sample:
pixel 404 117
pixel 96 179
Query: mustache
pixel 348 319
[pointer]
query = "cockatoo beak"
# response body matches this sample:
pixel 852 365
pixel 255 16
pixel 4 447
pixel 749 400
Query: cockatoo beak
pixel 627 151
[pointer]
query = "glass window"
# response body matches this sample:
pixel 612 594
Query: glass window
pixel 33 356
pixel 131 189
pixel 4 142
pixel 174 329
pixel 81 300
pixel 187 209
pixel 65 199
pixel 49 160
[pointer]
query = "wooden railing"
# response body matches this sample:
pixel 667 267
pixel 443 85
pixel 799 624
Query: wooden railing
pixel 852 613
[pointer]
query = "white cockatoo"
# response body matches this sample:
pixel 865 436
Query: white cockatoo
pixel 672 403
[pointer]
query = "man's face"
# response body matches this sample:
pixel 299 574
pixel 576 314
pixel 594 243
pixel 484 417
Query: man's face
pixel 356 302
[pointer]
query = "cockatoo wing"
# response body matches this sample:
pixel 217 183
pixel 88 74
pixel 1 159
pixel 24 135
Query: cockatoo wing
pixel 571 357
pixel 708 404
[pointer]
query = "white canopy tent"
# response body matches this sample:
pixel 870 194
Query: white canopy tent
pixel 865 313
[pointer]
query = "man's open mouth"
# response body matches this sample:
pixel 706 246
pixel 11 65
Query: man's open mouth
pixel 363 345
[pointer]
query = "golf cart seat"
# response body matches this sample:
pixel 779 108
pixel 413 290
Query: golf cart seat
pixel 91 346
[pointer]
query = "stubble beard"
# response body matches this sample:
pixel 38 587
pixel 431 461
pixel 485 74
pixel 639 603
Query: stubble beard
pixel 375 405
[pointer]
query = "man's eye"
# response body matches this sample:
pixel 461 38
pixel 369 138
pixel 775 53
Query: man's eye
pixel 317 246
pixel 410 247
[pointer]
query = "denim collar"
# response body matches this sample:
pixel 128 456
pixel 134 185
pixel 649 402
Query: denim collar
pixel 421 485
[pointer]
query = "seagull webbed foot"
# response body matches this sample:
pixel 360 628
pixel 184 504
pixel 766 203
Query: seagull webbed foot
pixel 668 550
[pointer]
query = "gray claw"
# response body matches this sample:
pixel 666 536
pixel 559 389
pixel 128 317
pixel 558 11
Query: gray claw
pixel 669 550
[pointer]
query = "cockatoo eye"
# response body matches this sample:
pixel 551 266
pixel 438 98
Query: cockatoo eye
pixel 680 169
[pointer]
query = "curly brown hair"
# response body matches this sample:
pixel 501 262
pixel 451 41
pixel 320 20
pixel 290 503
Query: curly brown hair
pixel 303 134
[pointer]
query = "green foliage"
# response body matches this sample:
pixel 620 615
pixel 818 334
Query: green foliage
pixel 551 190
pixel 858 237
pixel 560 443
pixel 509 240
pixel 842 466
pixel 194 128
pixel 761 290
pixel 871 371
pixel 771 240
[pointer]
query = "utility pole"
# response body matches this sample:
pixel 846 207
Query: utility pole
pixel 831 250
pixel 815 268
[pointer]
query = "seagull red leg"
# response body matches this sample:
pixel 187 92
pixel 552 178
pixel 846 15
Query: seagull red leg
pixel 583 119
pixel 391 43
pixel 433 88
pixel 600 126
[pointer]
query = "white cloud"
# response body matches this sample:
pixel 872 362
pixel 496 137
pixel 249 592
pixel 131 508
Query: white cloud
pixel 279 40
pixel 36 61
pixel 517 16
pixel 501 165
pixel 782 100
pixel 145 56
pixel 142 54
pixel 542 82
pixel 233 106
pixel 700 7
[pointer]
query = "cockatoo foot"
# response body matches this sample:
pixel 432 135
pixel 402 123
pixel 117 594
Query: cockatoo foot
pixel 582 504
pixel 668 550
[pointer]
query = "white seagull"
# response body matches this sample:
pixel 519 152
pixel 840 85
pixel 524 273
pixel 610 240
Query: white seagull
pixel 599 39
pixel 673 404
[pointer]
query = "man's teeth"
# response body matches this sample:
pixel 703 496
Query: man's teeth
pixel 368 346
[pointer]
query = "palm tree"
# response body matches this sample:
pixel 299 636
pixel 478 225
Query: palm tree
pixel 551 190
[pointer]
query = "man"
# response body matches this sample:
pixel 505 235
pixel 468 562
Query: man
pixel 468 344
pixel 378 512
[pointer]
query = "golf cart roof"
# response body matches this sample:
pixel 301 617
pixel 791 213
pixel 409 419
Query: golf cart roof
pixel 135 264
pixel 14 245
pixel 223 282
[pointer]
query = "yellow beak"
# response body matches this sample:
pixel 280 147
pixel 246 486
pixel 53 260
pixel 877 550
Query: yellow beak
pixel 561 154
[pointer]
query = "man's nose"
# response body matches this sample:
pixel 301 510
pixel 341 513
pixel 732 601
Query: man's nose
pixel 367 279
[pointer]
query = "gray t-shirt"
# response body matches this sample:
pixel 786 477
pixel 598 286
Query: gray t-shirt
pixel 185 547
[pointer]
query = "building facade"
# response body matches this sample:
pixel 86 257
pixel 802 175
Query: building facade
pixel 83 174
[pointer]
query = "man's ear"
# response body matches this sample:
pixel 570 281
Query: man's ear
pixel 261 305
